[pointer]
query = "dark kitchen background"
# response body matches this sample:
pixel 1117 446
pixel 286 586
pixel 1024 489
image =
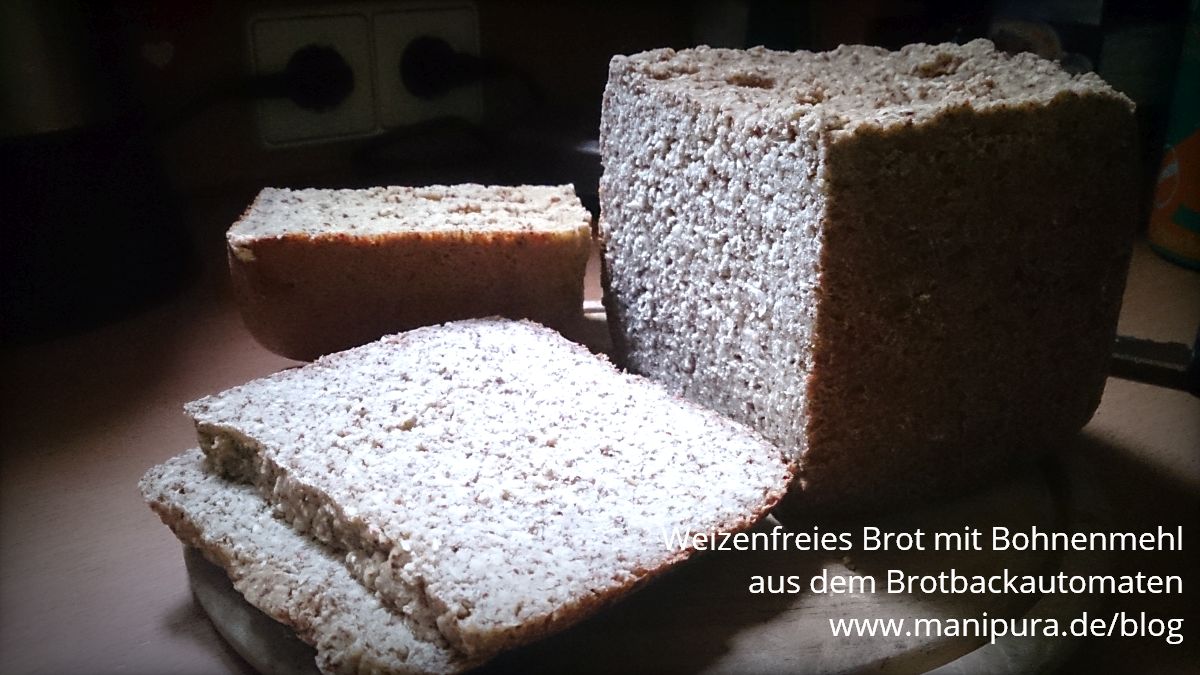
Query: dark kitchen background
pixel 134 132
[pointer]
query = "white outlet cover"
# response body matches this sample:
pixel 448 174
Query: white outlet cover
pixel 273 40
pixel 458 25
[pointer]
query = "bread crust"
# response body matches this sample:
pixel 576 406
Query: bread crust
pixel 302 298
pixel 986 342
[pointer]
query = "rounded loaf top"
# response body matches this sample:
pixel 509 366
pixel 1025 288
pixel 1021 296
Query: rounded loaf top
pixel 854 84
pixel 436 209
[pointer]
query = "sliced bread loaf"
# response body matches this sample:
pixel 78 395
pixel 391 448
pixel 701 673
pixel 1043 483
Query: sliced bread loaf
pixel 316 271
pixel 290 577
pixel 489 479
pixel 904 267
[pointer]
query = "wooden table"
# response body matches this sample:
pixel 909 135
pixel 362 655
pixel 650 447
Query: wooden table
pixel 90 581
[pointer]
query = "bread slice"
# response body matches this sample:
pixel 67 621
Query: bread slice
pixel 489 479
pixel 289 576
pixel 316 271
pixel 904 267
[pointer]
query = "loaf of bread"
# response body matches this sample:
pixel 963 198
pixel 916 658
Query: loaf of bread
pixel 903 267
pixel 316 271
pixel 290 577
pixel 490 480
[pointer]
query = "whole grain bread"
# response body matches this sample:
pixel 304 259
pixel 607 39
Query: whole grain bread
pixel 904 267
pixel 316 271
pixel 490 480
pixel 289 576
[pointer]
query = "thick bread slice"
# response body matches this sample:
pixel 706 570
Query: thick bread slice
pixel 903 267
pixel 316 271
pixel 289 576
pixel 489 478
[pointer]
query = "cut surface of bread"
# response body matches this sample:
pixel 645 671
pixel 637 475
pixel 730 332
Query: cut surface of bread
pixel 320 270
pixel 492 481
pixel 904 267
pixel 289 576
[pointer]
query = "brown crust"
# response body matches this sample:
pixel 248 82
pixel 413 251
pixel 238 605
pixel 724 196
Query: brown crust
pixel 303 297
pixel 987 341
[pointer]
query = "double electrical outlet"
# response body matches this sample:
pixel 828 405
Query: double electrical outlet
pixel 370 38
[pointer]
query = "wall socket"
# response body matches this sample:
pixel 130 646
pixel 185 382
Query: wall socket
pixel 371 37
pixel 458 25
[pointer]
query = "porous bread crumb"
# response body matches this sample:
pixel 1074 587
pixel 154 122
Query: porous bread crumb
pixel 903 267
pixel 489 478
pixel 290 577
pixel 442 209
